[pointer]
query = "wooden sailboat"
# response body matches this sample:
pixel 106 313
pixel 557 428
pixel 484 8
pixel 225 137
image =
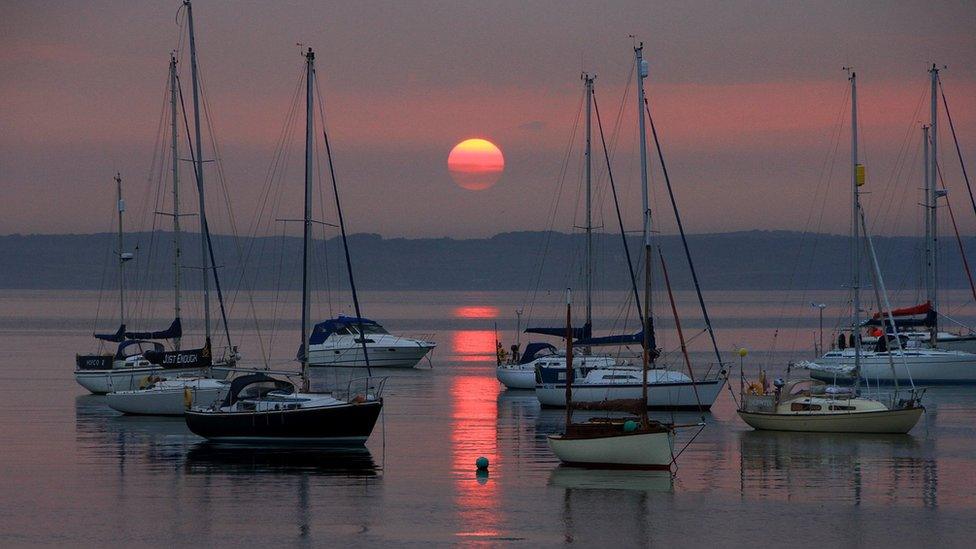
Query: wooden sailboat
pixel 637 442
pixel 812 405
pixel 261 409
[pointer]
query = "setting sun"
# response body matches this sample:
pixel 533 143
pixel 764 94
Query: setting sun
pixel 476 164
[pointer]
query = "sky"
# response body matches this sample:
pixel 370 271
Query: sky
pixel 749 100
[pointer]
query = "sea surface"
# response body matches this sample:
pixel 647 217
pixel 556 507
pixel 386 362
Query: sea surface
pixel 74 472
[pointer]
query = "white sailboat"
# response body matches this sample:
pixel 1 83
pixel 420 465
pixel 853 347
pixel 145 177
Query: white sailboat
pixel 170 395
pixel 918 359
pixel 128 367
pixel 607 378
pixel 810 405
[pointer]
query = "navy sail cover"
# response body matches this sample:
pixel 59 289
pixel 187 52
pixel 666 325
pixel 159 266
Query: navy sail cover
pixel 322 330
pixel 174 331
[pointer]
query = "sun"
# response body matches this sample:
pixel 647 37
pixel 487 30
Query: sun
pixel 476 164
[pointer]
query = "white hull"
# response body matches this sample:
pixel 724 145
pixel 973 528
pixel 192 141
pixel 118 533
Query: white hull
pixel 101 382
pixel 659 395
pixel 167 398
pixel 399 356
pixel 514 377
pixel 631 450
pixel 922 367
pixel 885 421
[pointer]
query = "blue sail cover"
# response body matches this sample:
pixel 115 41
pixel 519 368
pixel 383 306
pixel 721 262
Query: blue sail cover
pixel 631 339
pixel 117 337
pixel 322 330
pixel 532 351
pixel 585 332
pixel 174 331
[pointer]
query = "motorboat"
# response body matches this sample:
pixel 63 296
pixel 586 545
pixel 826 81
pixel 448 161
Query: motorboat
pixel 339 342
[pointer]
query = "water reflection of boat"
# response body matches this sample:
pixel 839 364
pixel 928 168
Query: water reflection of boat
pixel 207 457
pixel 611 479
pixel 836 466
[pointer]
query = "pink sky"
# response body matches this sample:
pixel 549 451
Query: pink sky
pixel 746 96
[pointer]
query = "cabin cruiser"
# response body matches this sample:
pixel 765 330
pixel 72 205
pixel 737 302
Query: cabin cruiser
pixel 337 342
pixel 812 405
pixel 127 369
pixel 518 371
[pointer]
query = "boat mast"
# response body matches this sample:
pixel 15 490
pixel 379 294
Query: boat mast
pixel 589 204
pixel 309 124
pixel 176 193
pixel 855 232
pixel 198 166
pixel 122 255
pixel 641 67
pixel 569 358
pixel 931 225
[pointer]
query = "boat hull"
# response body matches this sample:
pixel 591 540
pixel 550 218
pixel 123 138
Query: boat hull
pixel 660 396
pixel 883 421
pixel 951 368
pixel 516 378
pixel 101 382
pixel 349 424
pixel 405 356
pixel 170 401
pixel 619 451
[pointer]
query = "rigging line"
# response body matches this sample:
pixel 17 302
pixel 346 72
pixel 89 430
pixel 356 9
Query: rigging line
pixel 681 336
pixel 203 225
pixel 962 164
pixel 962 250
pixel 681 230
pixel 222 180
pixel 553 209
pixel 620 221
pixel 342 226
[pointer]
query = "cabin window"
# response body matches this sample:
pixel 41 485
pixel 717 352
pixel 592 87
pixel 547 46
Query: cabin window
pixel 804 407
pixel 612 376
pixel 561 376
pixel 839 407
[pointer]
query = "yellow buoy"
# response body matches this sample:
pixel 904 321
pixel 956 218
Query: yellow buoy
pixel 859 173
pixel 743 352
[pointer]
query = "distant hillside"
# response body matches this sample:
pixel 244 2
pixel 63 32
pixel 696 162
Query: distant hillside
pixel 508 261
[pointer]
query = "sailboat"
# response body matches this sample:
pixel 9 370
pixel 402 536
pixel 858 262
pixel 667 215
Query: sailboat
pixel 812 405
pixel 128 367
pixel 919 359
pixel 626 443
pixel 606 378
pixel 259 408
pixel 613 442
pixel 165 395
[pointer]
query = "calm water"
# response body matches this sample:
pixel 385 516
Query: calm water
pixel 72 471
